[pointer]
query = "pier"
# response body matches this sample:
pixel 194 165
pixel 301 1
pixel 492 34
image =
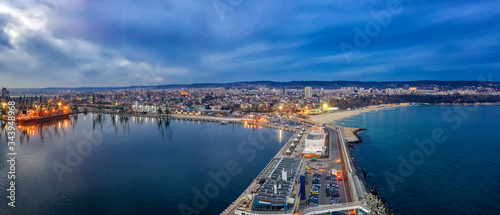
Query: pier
pixel 353 192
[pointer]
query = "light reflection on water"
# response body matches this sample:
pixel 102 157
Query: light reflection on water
pixel 153 162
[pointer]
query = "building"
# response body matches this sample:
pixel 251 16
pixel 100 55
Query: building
pixel 186 112
pixel 315 143
pixel 277 190
pixel 138 106
pixel 282 92
pixel 308 92
pixel 314 111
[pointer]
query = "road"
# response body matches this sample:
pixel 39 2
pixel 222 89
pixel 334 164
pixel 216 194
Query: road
pixel 335 154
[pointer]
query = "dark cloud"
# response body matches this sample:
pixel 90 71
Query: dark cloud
pixel 119 42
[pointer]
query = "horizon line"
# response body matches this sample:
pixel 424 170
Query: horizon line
pixel 207 83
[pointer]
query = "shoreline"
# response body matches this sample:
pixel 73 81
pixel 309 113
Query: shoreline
pixel 331 118
pixel 200 118
pixel 375 202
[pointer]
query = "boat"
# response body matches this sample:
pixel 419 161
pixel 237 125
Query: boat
pixel 224 122
pixel 42 119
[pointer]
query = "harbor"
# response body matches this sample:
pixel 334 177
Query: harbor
pixel 163 161
pixel 288 196
pixel 200 118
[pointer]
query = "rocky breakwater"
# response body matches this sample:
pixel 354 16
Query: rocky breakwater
pixel 377 205
pixel 351 134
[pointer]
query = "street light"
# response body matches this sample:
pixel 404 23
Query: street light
pixel 325 106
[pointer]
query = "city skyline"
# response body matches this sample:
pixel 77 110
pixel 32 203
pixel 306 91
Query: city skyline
pixel 79 44
pixel 239 107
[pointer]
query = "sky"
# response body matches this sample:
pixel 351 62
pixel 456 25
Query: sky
pixel 114 43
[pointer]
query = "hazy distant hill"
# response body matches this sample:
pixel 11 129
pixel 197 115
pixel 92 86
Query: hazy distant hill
pixel 289 85
pixel 338 84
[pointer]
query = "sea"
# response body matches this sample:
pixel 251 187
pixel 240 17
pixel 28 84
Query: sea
pixel 441 159
pixel 104 164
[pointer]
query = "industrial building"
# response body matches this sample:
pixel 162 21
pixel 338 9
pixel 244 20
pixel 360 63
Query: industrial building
pixel 275 193
pixel 277 188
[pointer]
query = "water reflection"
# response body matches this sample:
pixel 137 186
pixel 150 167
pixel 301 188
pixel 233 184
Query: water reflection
pixel 52 129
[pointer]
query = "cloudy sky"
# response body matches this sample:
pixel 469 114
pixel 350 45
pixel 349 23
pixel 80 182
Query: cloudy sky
pixel 75 43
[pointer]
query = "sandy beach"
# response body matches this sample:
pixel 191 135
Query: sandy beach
pixel 332 117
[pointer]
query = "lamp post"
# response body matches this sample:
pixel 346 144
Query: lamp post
pixel 3 108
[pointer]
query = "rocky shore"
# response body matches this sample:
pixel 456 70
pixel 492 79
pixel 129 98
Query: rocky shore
pixel 374 201
pixel 377 204
pixel 351 134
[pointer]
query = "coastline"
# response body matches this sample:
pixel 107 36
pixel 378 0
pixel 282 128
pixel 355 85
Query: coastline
pixel 375 202
pixel 332 117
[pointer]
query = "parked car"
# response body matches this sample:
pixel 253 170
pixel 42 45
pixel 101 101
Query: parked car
pixel 335 200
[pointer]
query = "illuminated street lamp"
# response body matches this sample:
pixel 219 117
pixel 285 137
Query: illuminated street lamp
pixel 3 107
pixel 325 106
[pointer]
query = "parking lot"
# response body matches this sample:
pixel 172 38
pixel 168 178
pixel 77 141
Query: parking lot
pixel 323 169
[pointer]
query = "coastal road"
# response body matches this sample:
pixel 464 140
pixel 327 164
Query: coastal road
pixel 336 155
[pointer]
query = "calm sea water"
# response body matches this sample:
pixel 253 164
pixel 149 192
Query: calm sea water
pixel 134 166
pixel 457 171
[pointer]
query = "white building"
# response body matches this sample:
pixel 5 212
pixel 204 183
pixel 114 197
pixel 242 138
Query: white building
pixel 315 143
pixel 308 92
